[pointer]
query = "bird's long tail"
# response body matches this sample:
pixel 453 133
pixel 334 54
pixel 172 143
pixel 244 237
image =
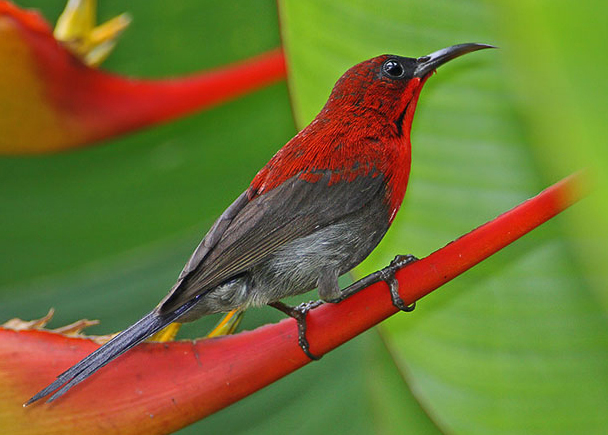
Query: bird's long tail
pixel 135 334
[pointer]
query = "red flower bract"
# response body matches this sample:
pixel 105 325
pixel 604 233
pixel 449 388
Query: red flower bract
pixel 52 101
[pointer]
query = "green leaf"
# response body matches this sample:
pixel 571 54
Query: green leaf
pixel 517 345
pixel 573 94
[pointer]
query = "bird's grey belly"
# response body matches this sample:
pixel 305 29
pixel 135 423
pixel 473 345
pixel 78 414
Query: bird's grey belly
pixel 295 267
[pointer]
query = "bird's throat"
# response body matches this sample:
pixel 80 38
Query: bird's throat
pixel 400 118
pixel 406 116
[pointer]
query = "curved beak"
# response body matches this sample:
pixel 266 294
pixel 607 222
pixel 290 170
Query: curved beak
pixel 429 63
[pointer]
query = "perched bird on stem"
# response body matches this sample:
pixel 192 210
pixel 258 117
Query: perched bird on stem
pixel 314 212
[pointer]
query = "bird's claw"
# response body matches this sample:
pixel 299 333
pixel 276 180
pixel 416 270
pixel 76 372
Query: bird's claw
pixel 388 276
pixel 299 314
pixel 305 307
pixel 401 261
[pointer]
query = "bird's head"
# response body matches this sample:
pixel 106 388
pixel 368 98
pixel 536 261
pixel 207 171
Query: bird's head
pixel 388 86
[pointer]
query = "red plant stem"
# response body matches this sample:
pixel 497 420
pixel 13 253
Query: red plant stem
pixel 457 257
pixel 182 382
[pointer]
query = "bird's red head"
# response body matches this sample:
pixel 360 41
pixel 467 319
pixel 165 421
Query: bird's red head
pixel 388 86
pixel 364 128
pixel 379 89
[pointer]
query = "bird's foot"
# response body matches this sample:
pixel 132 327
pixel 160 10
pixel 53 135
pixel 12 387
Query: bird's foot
pixel 388 276
pixel 299 313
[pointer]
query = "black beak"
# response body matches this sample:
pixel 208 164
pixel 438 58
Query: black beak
pixel 427 64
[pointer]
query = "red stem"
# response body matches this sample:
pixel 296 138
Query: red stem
pixel 182 382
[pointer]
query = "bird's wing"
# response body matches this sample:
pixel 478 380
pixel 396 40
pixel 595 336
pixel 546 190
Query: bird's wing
pixel 253 230
pixel 214 235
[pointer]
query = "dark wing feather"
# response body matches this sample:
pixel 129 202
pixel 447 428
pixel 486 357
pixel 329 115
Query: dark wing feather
pixel 295 209
pixel 214 235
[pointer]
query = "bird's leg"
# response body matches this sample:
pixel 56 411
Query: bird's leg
pixel 328 287
pixel 330 292
pixel 387 275
pixel 299 313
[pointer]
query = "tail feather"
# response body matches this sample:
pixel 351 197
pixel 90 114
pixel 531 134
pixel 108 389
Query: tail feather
pixel 130 337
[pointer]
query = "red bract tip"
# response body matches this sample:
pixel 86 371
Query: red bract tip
pixel 52 101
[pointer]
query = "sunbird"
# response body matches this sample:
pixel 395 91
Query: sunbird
pixel 315 211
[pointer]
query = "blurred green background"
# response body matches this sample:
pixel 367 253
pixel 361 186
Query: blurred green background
pixel 516 345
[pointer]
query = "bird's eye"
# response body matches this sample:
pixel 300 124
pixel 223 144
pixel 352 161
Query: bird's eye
pixel 393 69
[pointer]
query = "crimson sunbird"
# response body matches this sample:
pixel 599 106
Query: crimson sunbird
pixel 315 211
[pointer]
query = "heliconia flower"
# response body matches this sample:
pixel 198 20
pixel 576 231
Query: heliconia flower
pixel 157 388
pixel 51 100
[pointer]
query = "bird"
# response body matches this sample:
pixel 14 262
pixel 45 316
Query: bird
pixel 316 210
